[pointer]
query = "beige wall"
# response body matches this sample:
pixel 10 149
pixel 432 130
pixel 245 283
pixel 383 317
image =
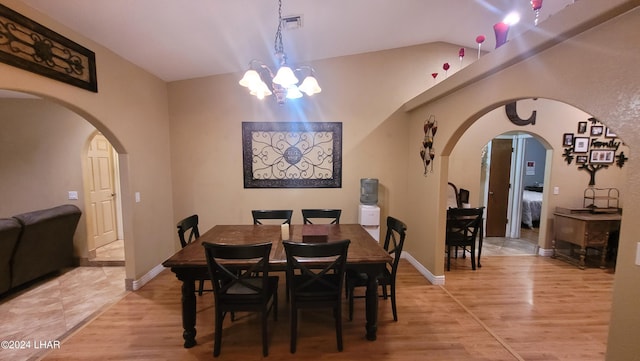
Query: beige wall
pixel 130 108
pixel 553 119
pixel 365 92
pixel 38 169
pixel 360 91
pixel 596 72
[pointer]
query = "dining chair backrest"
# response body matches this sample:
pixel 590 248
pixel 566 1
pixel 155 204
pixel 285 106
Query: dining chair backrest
pixel 331 214
pixel 238 281
pixel 394 241
pixel 272 214
pixel 463 224
pixel 188 230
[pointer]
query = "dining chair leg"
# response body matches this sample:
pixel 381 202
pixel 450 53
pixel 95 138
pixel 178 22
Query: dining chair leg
pixel 338 316
pixel 294 329
pixel 473 258
pixel 448 258
pixel 265 346
pixel 218 336
pixel 201 288
pixel 351 289
pixel 393 301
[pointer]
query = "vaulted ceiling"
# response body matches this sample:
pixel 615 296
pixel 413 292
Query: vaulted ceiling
pixel 183 39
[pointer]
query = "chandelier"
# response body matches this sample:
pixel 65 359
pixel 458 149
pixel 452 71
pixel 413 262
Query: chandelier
pixel 262 82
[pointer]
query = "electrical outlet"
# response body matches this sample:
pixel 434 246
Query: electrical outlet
pixel 137 195
pixel 556 190
pixel 638 255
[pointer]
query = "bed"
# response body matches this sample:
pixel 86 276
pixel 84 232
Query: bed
pixel 531 207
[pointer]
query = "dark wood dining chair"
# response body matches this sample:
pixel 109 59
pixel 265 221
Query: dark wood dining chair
pixel 463 226
pixel 393 244
pixel 315 277
pixel 188 232
pixel 331 214
pixel 241 284
pixel 277 214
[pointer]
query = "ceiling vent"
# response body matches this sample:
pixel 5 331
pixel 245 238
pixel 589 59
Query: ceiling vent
pixel 292 22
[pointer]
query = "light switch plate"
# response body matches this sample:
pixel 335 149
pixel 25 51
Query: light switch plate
pixel 556 190
pixel 137 195
pixel 638 255
pixel 73 195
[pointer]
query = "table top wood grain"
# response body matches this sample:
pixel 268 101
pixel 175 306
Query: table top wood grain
pixel 362 250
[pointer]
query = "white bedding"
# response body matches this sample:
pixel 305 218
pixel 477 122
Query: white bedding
pixel 531 207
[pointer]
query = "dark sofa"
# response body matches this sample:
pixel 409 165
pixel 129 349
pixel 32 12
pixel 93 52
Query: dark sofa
pixel 36 243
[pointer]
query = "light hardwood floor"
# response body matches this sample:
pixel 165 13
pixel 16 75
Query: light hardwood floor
pixel 513 308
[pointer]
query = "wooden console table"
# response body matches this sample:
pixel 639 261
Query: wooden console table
pixel 585 229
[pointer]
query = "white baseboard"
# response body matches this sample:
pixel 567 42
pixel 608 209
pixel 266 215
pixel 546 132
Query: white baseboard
pixel 436 280
pixel 545 252
pixel 134 285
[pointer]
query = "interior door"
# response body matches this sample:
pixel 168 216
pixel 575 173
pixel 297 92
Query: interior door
pixel 102 210
pixel 498 197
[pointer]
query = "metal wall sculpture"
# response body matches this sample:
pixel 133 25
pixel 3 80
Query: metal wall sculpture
pixel 30 46
pixel 292 155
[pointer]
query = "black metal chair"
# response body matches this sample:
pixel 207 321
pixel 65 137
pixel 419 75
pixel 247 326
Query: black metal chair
pixel 393 243
pixel 277 214
pixel 188 232
pixel 236 288
pixel 463 226
pixel 332 214
pixel 315 274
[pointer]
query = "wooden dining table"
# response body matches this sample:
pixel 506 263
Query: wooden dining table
pixel 365 255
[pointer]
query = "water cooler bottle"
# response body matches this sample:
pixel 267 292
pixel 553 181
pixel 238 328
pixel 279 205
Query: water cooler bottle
pixel 368 211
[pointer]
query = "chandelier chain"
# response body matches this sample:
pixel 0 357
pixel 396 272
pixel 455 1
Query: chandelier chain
pixel 278 47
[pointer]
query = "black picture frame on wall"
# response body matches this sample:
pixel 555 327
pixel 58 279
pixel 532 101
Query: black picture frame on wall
pixel 35 48
pixel 597 130
pixel 292 154
pixel 582 127
pixel 567 139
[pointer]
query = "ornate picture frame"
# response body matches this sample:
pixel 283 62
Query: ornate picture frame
pixel 30 46
pixel 292 154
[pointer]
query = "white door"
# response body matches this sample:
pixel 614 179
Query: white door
pixel 102 209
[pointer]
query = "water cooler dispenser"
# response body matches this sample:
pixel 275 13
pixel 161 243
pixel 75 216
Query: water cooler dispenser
pixel 368 211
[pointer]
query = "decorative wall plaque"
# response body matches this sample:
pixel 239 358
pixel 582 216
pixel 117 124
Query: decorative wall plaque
pixel 292 155
pixel 30 46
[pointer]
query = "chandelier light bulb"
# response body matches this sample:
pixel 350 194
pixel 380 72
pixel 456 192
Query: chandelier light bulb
pixel 285 77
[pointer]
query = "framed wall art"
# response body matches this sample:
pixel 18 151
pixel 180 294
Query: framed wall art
pixel 580 144
pixel 597 130
pixel 30 46
pixel 292 154
pixel 609 134
pixel 582 127
pixel 602 156
pixel 567 139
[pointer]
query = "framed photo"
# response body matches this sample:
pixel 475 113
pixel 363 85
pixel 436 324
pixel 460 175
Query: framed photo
pixel 292 154
pixel 609 134
pixel 582 127
pixel 581 159
pixel 601 156
pixel 567 139
pixel 597 130
pixel 580 144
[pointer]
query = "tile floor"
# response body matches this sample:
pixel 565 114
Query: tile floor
pixel 55 307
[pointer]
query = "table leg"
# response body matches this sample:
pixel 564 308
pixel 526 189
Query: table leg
pixel 189 312
pixel 481 231
pixel 372 304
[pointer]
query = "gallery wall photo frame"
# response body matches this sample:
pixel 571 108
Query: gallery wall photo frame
pixel 567 139
pixel 580 144
pixel 602 156
pixel 292 154
pixel 30 46
pixel 597 130
pixel 609 133
pixel 582 127
pixel 581 159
